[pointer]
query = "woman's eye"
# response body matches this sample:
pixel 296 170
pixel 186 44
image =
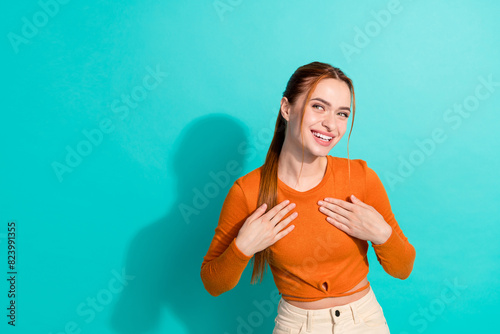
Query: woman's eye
pixel 345 114
pixel 317 105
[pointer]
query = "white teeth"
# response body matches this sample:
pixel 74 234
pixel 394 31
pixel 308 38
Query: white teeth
pixel 319 135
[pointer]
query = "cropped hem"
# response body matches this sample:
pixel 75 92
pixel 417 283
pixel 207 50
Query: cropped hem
pixel 312 299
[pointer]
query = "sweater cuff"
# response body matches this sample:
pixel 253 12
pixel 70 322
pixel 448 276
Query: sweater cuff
pixel 389 243
pixel 237 252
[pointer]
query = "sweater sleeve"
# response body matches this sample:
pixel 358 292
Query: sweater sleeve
pixel 224 262
pixel 396 255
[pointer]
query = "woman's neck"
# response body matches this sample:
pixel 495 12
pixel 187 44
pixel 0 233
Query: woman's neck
pixel 313 170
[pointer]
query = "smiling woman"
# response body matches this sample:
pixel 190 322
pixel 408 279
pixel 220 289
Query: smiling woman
pixel 318 253
pixel 324 117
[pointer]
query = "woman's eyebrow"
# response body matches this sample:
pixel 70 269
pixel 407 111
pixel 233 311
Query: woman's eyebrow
pixel 324 101
pixel 328 103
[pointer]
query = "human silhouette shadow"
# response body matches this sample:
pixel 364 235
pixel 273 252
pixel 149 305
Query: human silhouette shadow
pixel 165 257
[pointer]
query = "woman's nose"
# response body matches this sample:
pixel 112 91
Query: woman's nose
pixel 330 122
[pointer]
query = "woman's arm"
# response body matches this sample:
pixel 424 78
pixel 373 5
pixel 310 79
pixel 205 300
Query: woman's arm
pixel 396 254
pixel 224 262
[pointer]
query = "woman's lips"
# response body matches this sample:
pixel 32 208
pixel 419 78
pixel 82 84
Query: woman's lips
pixel 321 141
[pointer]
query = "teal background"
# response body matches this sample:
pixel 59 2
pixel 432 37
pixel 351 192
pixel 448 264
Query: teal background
pixel 123 206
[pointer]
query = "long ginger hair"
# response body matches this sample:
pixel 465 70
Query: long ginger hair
pixel 304 79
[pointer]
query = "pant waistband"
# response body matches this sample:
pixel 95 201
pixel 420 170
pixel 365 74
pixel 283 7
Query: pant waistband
pixel 337 313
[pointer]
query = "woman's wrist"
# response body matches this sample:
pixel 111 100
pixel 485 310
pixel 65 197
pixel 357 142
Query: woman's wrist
pixel 242 247
pixel 384 236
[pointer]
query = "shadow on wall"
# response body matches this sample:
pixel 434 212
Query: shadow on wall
pixel 165 257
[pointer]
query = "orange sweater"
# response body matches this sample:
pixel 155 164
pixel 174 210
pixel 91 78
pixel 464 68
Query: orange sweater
pixel 314 252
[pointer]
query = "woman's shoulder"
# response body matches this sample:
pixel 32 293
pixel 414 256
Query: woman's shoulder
pixel 250 180
pixel 355 165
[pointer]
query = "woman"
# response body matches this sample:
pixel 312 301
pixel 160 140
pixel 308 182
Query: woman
pixel 317 253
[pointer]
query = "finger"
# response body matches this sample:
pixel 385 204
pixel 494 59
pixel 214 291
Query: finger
pixel 283 212
pixel 339 225
pixel 271 213
pixel 279 226
pixel 258 212
pixel 357 201
pixel 328 208
pixel 337 217
pixel 283 233
pixel 343 204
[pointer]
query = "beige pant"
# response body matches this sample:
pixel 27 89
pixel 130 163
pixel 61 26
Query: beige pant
pixel 364 315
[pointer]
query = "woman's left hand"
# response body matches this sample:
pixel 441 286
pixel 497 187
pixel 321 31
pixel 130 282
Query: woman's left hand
pixel 357 219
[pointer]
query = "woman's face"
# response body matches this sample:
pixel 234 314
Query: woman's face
pixel 327 112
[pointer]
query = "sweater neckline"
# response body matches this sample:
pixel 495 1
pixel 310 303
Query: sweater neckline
pixel 326 177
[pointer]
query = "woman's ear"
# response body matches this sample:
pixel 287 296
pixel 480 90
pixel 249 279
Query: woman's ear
pixel 285 108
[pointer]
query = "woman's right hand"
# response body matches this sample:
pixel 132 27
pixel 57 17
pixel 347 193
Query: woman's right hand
pixel 262 230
